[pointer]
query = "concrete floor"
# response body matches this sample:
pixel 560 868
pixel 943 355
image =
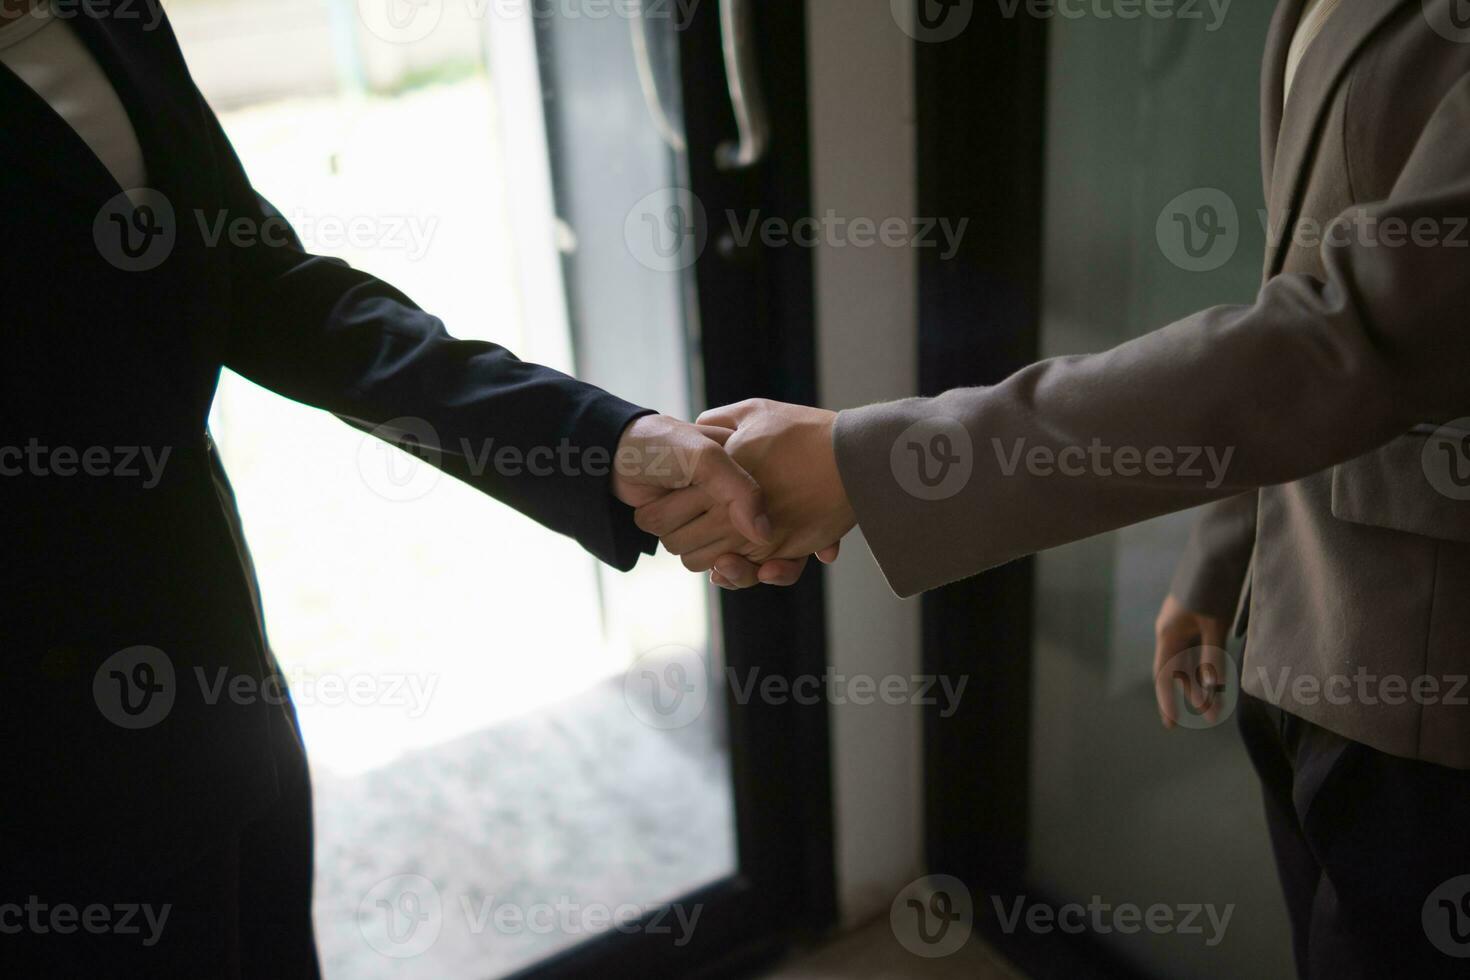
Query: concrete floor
pixel 872 953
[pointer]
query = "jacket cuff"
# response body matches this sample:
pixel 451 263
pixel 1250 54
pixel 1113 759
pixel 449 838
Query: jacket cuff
pixel 609 533
pixel 863 440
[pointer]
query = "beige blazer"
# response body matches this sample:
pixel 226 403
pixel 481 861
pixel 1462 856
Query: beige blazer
pixel 1324 424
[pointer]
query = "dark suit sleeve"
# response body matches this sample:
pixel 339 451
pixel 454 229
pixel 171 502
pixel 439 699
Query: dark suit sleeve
pixel 320 332
pixel 1313 374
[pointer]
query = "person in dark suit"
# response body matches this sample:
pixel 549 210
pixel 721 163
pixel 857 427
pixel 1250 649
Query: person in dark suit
pixel 128 785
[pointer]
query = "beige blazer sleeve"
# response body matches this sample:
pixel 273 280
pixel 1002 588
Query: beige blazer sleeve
pixel 1211 573
pixel 1312 374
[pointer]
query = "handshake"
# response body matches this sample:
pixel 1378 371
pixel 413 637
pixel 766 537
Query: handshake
pixel 747 493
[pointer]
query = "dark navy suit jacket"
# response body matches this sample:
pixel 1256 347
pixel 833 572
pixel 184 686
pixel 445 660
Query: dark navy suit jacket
pixel 110 349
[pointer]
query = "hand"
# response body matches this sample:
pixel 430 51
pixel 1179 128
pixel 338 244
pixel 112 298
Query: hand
pixel 1178 630
pixel 658 455
pixel 789 445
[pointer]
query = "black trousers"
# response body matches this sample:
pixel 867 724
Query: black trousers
pixel 242 911
pixel 1363 841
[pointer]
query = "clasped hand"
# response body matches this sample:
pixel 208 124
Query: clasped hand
pixel 748 493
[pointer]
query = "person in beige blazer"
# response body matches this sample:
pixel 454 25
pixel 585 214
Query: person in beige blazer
pixel 1337 509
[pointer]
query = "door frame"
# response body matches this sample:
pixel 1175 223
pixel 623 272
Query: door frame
pixel 979 322
pixel 756 338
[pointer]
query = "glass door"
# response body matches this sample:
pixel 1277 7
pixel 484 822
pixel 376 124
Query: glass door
pixel 523 762
pixel 1148 119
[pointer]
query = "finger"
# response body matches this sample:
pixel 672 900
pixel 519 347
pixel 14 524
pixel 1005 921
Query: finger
pixel 1213 667
pixel 1163 681
pixel 739 572
pixel 718 580
pixel 828 555
pixel 708 529
pixel 1168 671
pixel 715 433
pixel 782 572
pixel 728 416
pixel 726 482
pixel 672 511
pixel 704 559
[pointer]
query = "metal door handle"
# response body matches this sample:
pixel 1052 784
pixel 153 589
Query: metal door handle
pixel 746 99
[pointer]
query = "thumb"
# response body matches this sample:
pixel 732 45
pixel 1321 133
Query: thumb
pixel 724 480
pixel 726 416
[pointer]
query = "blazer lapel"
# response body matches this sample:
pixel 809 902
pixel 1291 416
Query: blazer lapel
pixel 1322 68
pixel 1273 81
pixel 39 145
pixel 146 89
